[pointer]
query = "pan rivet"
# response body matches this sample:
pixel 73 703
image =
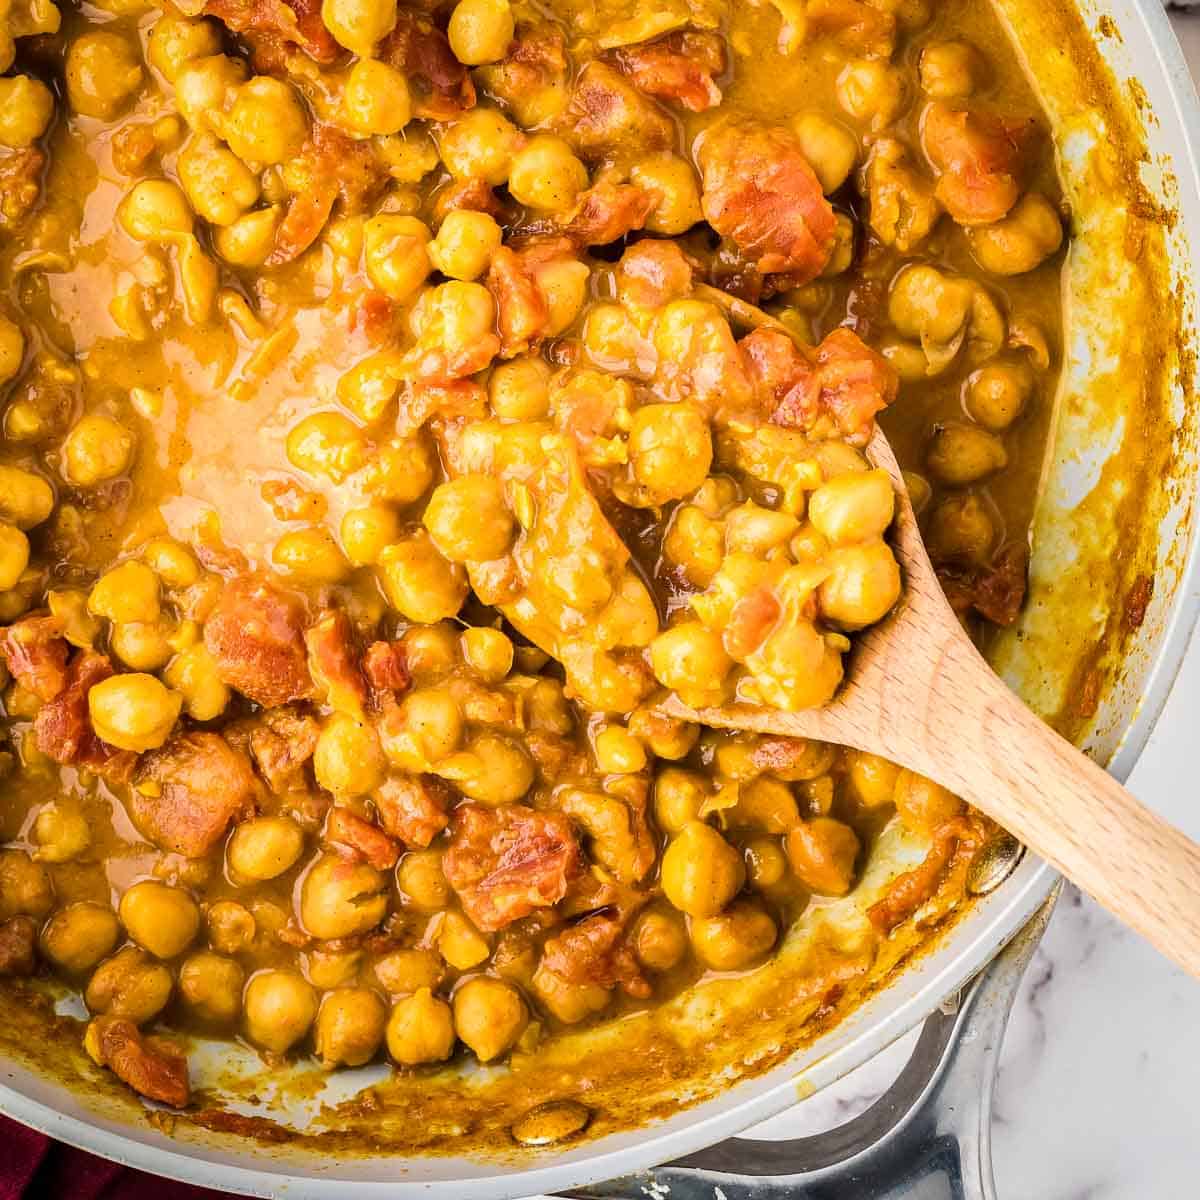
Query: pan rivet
pixel 993 863
pixel 551 1122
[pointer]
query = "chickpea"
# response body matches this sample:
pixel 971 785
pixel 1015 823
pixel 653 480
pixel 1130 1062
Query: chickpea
pixel 141 646
pixel 659 939
pixel 922 804
pixel 350 1026
pixel 569 1002
pixel 671 449
pixel 949 70
pixel 211 986
pixel 264 847
pixel 465 244
pixel 402 972
pixel 431 651
pixel 77 937
pixel 823 853
pixel 231 927
pixel 460 943
pixel 831 149
pixel 480 145
pixel 488 652
pixel 701 871
pixel 1021 241
pixel 520 390
pixel 678 796
pixel 421 881
pixel 853 508
pixel 130 984
pixel 12 348
pixel 327 968
pixel 14 555
pixel 419 583
pixel 219 185
pixel 160 918
pixel 996 394
pixel 961 529
pixel 266 124
pixel 563 285
pixel 367 532
pixel 480 31
pixel 766 863
pixel 691 660
pixel 175 41
pixel 420 1029
pixel 677 206
pixel 376 100
pixel 359 24
pixel 618 752
pixel 402 472
pixel 862 586
pixel 310 556
pixel 469 519
pixel 872 779
pixel 205 88
pixel 348 760
pixel 126 593
pixel 427 728
pixel 546 175
pixel 279 1009
pixel 489 1016
pixel 62 833
pixel 871 91
pixel 26 106
pixel 248 242
pixel 26 499
pixel 397 254
pixel 767 804
pixel 492 770
pixel 155 210
pixel 843 248
pixel 920 491
pixel 133 712
pixel 960 454
pixel 735 939
pixel 103 71
pixel 326 443
pixel 339 898
pixel 927 305
pixel 194 675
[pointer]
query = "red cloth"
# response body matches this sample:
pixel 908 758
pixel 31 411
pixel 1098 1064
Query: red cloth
pixel 35 1167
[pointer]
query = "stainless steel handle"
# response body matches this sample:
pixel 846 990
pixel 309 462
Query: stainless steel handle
pixel 928 1137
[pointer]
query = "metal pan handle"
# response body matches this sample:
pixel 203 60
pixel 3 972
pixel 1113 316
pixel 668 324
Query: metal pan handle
pixel 928 1137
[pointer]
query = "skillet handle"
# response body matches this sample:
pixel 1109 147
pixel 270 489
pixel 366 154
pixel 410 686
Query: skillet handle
pixel 928 1137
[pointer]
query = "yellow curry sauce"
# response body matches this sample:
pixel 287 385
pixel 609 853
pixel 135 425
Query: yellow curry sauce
pixel 398 401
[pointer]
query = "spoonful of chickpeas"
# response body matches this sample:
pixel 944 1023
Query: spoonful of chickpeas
pixel 919 693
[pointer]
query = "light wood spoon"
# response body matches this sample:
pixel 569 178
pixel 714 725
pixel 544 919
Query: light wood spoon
pixel 918 693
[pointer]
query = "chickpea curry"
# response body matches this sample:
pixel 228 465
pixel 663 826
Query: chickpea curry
pixel 399 400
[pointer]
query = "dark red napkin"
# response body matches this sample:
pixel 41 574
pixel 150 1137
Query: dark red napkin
pixel 35 1167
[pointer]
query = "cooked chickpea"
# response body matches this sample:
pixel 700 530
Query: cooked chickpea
pixel 492 770
pixel 767 804
pixel 949 70
pixel 465 244
pixel 175 41
pixel 691 660
pixel 666 737
pixel 766 863
pixel 310 556
pixel 376 100
pixel 339 898
pixel 193 673
pixel 367 532
pixel 996 394
pixel 480 31
pixel 421 881
pixel 735 939
pixel 431 651
pixel 160 918
pixel 359 24
pixel 327 444
pixel 563 285
pixel 248 242
pixel 326 967
pixel 671 449
pixel 266 124
pixel 922 804
pixel 14 555
pixel 279 1009
pixel 488 652
pixel 1021 241
pixel 831 149
pixel 77 937
pixel 402 472
pixel 853 508
pixel 96 450
pixel 26 106
pixel 219 185
pixel 103 72
pixel 460 943
pixel 211 986
pixel 133 712
pixel 677 193
pixel 546 175
pixel 489 1016
pixel 142 646
pixel 480 145
pixel 26 499
pixel 12 348
pixel 659 939
pixel 872 779
pixel 348 760
pixel 823 853
pixel 520 390
pixel 350 1027
pixel 61 832
pixel 701 871
pixel 568 1002
pixel 427 728
pixel 231 926
pixel 130 984
pixel 618 752
pixel 959 454
pixel 420 1029
pixel 401 972
pixel 205 87
pixel 397 254
pixel 128 592
pixel 419 583
pixel 928 305
pixel 961 529
pixel 469 519
pixel 264 847
pixel 154 211
pixel 172 562
pixel 862 586
pixel 870 90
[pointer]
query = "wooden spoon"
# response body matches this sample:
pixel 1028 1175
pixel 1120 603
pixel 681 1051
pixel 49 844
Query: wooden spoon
pixel 918 693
